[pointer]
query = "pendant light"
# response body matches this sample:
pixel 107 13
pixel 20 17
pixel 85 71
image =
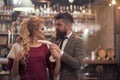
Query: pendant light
pixel 71 1
pixel 113 2
pixel 23 5
pixel 42 1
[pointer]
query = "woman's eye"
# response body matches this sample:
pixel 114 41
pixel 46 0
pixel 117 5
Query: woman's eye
pixel 42 28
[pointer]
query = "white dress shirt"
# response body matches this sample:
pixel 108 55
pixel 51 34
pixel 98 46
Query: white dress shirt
pixel 64 43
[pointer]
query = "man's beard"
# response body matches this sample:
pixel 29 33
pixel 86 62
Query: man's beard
pixel 60 34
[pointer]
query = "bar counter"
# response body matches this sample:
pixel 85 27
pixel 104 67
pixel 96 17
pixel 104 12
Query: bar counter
pixel 100 70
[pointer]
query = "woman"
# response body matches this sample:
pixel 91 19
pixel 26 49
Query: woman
pixel 32 62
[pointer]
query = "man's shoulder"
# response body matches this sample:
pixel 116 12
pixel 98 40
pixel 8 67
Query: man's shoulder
pixel 78 38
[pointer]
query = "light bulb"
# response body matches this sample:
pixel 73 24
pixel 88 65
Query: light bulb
pixel 110 4
pixel 86 31
pixel 113 2
pixel 71 1
pixel 118 7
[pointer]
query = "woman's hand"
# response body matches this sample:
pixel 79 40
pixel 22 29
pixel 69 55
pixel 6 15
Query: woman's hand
pixel 19 56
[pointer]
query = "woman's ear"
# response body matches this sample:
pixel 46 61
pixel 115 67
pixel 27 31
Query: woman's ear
pixel 34 31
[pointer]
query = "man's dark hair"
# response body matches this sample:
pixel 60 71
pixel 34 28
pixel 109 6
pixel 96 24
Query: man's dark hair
pixel 65 16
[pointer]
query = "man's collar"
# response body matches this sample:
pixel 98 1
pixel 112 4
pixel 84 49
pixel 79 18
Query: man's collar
pixel 68 36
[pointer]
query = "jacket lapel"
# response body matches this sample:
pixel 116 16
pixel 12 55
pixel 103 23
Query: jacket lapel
pixel 70 40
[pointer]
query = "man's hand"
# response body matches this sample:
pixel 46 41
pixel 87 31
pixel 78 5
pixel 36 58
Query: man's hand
pixel 55 51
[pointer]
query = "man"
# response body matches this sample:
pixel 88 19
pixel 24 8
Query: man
pixel 72 48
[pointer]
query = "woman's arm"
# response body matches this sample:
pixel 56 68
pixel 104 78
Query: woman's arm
pixel 15 66
pixel 15 69
pixel 57 68
pixel 56 53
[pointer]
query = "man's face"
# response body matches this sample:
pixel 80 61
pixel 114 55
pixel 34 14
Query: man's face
pixel 61 30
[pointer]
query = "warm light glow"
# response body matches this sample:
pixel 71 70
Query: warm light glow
pixel 113 2
pixel 119 7
pixel 43 1
pixel 24 9
pixel 110 4
pixel 71 1
pixel 86 31
pixel 83 11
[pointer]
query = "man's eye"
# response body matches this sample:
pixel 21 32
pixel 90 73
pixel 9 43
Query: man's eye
pixel 58 24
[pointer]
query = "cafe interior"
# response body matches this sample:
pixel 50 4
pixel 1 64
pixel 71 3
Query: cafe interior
pixel 97 22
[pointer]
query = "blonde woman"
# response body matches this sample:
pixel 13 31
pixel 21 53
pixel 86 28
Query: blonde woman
pixel 31 62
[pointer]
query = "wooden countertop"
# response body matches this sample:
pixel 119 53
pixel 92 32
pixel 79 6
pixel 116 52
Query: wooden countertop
pixel 5 61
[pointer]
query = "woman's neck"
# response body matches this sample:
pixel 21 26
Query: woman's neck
pixel 35 43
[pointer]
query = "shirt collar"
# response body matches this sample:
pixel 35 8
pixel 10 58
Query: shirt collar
pixel 68 36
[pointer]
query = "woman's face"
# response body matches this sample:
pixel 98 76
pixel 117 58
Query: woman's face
pixel 40 33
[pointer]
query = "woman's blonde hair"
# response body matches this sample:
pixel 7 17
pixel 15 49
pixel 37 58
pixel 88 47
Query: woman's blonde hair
pixel 26 30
